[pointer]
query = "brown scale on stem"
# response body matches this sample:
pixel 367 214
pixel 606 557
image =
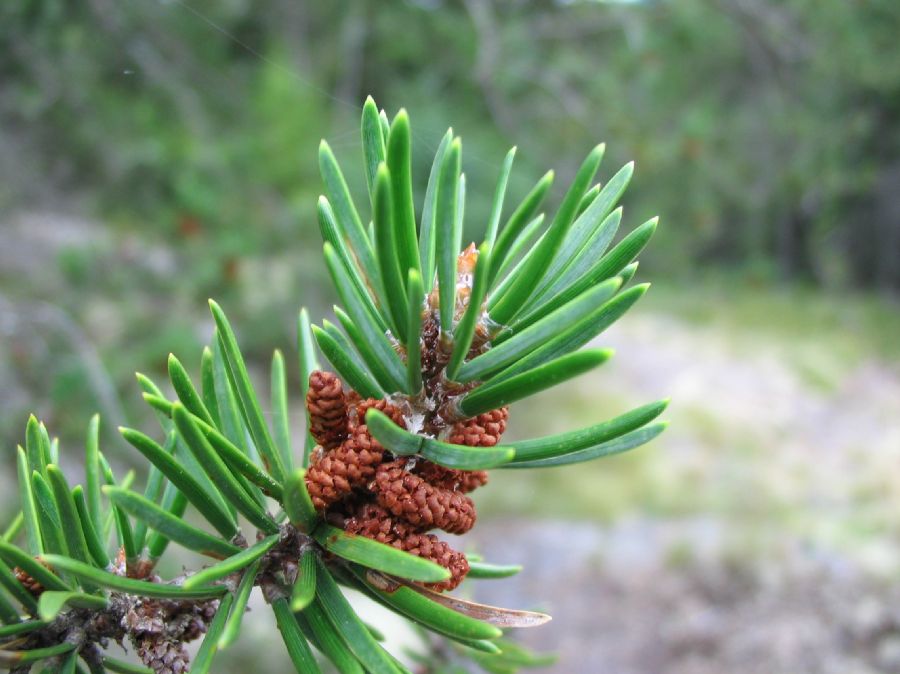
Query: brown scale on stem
pixel 160 628
pixel 358 484
pixel 29 583
pixel 33 586
pixel 157 628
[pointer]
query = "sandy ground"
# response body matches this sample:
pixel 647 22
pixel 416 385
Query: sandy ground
pixel 783 559
pixel 621 605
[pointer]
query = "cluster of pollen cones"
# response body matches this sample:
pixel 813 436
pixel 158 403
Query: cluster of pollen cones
pixel 357 483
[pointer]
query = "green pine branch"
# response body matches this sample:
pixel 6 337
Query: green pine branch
pixel 508 319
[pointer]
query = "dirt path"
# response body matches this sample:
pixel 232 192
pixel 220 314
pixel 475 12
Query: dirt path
pixel 622 605
pixel 770 542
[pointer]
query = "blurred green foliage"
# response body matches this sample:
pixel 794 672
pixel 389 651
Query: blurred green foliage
pixel 764 133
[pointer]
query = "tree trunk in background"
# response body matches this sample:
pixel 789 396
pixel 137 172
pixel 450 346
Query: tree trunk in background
pixel 348 86
pixel 793 246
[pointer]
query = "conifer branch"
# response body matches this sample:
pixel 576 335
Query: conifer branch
pixel 437 341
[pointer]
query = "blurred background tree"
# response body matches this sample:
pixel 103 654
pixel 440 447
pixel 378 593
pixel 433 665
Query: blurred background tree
pixel 763 127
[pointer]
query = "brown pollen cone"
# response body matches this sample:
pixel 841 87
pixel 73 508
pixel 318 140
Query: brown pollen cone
pixel 429 546
pixel 352 479
pixel 382 406
pixel 336 473
pixel 373 521
pixel 450 478
pixel 484 430
pixel 422 504
pixel 327 407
